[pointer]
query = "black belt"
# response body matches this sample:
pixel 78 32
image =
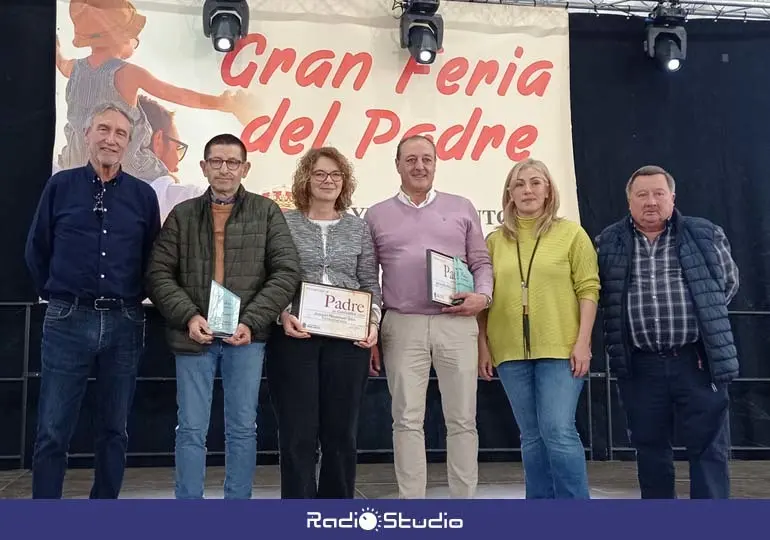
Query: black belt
pixel 99 304
pixel 668 352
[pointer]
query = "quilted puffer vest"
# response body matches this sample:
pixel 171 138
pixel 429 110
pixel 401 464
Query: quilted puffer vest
pixel 705 279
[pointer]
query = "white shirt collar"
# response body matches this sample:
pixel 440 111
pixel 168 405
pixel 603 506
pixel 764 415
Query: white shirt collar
pixel 404 198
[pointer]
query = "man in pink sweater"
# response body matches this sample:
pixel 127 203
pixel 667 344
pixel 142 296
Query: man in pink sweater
pixel 417 332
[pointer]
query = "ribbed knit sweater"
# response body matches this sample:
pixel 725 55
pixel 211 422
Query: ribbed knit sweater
pixel 564 271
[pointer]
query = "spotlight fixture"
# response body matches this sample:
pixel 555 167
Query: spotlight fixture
pixel 666 37
pixel 225 21
pixel 422 30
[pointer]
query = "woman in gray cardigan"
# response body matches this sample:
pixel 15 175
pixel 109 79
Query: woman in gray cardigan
pixel 317 383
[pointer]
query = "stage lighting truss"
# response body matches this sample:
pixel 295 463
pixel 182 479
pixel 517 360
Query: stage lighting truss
pixel 225 22
pixel 746 10
pixel 421 28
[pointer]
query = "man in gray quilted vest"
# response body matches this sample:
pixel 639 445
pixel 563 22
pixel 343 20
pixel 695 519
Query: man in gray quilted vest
pixel 666 282
pixel 240 240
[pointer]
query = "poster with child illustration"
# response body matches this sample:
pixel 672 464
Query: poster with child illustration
pixel 497 93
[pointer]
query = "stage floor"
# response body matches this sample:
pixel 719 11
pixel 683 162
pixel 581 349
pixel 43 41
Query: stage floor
pixel 609 480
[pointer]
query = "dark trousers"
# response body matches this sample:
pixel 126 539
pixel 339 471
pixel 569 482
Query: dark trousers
pixel 316 387
pixel 75 338
pixel 678 384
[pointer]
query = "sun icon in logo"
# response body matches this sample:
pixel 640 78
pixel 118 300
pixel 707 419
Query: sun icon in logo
pixel 369 520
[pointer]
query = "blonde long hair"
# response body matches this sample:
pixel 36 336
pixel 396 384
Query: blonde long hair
pixel 547 218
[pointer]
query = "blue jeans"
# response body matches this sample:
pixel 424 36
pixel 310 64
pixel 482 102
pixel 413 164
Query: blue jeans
pixel 75 338
pixel 544 395
pixel 241 368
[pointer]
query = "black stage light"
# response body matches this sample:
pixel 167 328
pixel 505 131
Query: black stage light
pixel 666 36
pixel 225 21
pixel 422 30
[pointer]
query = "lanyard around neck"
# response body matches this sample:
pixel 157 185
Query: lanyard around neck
pixel 525 296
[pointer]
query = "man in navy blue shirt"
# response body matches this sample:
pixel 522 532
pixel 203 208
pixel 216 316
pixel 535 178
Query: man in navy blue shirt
pixel 87 251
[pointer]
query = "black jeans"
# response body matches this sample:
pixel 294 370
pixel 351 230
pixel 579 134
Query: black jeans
pixel 677 383
pixel 316 387
pixel 75 337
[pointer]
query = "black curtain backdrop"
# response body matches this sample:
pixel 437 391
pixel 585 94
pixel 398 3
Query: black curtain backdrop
pixel 707 124
pixel 27 117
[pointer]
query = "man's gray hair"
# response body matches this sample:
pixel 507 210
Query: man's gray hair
pixel 111 106
pixel 650 170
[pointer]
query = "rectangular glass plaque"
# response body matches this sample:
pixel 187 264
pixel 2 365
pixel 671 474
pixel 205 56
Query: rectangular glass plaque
pixel 447 276
pixel 224 311
pixel 325 310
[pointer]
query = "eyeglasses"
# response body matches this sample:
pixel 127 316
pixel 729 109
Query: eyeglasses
pixel 232 164
pixel 321 176
pixel 181 148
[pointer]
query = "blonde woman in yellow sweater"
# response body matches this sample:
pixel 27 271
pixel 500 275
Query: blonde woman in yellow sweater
pixel 537 331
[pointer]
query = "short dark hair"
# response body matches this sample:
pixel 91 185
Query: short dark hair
pixel 414 138
pixel 158 116
pixel 224 139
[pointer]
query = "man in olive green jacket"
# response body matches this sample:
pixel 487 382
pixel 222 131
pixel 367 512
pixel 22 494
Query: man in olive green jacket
pixel 240 240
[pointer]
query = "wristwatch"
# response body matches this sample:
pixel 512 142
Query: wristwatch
pixel 489 301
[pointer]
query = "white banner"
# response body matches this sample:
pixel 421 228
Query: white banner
pixel 322 72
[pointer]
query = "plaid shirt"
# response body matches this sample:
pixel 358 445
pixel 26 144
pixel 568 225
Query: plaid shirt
pixel 661 312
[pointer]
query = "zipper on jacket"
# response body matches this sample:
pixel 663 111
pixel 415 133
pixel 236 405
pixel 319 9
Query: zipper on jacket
pixel 701 368
pixel 625 335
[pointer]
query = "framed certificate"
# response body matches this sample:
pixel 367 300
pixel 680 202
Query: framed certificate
pixel 326 310
pixel 447 276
